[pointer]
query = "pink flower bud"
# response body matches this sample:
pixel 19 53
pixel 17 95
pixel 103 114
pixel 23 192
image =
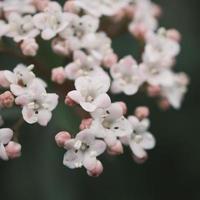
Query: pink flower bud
pixel 70 6
pixel 139 31
pixel 29 47
pixel 62 137
pixel 123 106
pixel 58 75
pixel 85 123
pixel 157 11
pixel 97 170
pixel 6 99
pixel 129 10
pixel 40 4
pixel 13 150
pixel 164 104
pixel 69 101
pixel 174 35
pixel 60 46
pixel 140 160
pixel 3 81
pixel 153 90
pixel 116 149
pixel 110 60
pixel 142 112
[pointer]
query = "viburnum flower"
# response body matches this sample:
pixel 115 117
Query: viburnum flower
pixel 19 78
pixel 175 88
pixel 37 103
pixel 79 30
pixel 90 93
pixel 29 47
pixel 83 65
pixel 160 51
pixel 83 151
pixel 21 27
pixel 126 76
pixel 52 21
pixel 144 19
pixel 6 135
pixel 140 139
pixel 101 7
pixel 110 124
pixel 17 6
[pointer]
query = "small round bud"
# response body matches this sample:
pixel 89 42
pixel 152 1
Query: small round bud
pixel 123 106
pixel 62 137
pixel 142 112
pixel 3 81
pixel 97 170
pixel 29 47
pixel 58 75
pixel 153 90
pixel 116 149
pixel 110 60
pixel 85 123
pixel 13 150
pixel 174 35
pixel 7 99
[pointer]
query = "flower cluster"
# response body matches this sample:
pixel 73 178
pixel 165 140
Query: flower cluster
pixel 75 31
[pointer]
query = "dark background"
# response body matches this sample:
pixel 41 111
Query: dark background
pixel 173 169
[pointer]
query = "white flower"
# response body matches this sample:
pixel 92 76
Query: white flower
pixel 140 139
pixel 90 93
pixel 110 124
pixel 37 103
pixel 18 6
pixel 52 21
pixel 83 65
pixel 101 7
pixel 19 78
pixel 83 151
pixel 175 88
pixel 126 76
pixel 79 29
pixel 21 27
pixel 6 135
pixel 144 18
pixel 160 51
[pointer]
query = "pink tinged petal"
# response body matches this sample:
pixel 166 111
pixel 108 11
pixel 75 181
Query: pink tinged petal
pixel 102 101
pixel 73 160
pixel 116 149
pixel 110 140
pixel 10 76
pixel 3 154
pixel 98 147
pixel 75 96
pixel 29 115
pixel 17 90
pixel 128 62
pixel 116 87
pixel 36 87
pixel 61 138
pixel 137 150
pixel 131 89
pixel 6 135
pixel 44 116
pixel 89 162
pixel 71 71
pixel 52 101
pixel 22 100
pixel 89 107
pixel 148 141
pixel 13 150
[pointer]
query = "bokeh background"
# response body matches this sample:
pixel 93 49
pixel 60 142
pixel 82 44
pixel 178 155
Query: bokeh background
pixel 173 169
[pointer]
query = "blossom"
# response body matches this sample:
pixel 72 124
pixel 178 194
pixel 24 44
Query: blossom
pixel 6 99
pixel 126 76
pixel 83 65
pixel 160 51
pixel 140 139
pixel 90 93
pixel 19 78
pixel 18 6
pixel 21 27
pixel 37 104
pixel 79 30
pixel 6 135
pixel 52 21
pixel 110 124
pixel 101 7
pixel 175 89
pixel 83 151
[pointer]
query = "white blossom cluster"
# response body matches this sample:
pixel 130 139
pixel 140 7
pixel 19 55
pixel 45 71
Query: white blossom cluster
pixel 74 31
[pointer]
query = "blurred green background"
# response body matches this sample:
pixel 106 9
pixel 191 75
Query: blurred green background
pixel 173 169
